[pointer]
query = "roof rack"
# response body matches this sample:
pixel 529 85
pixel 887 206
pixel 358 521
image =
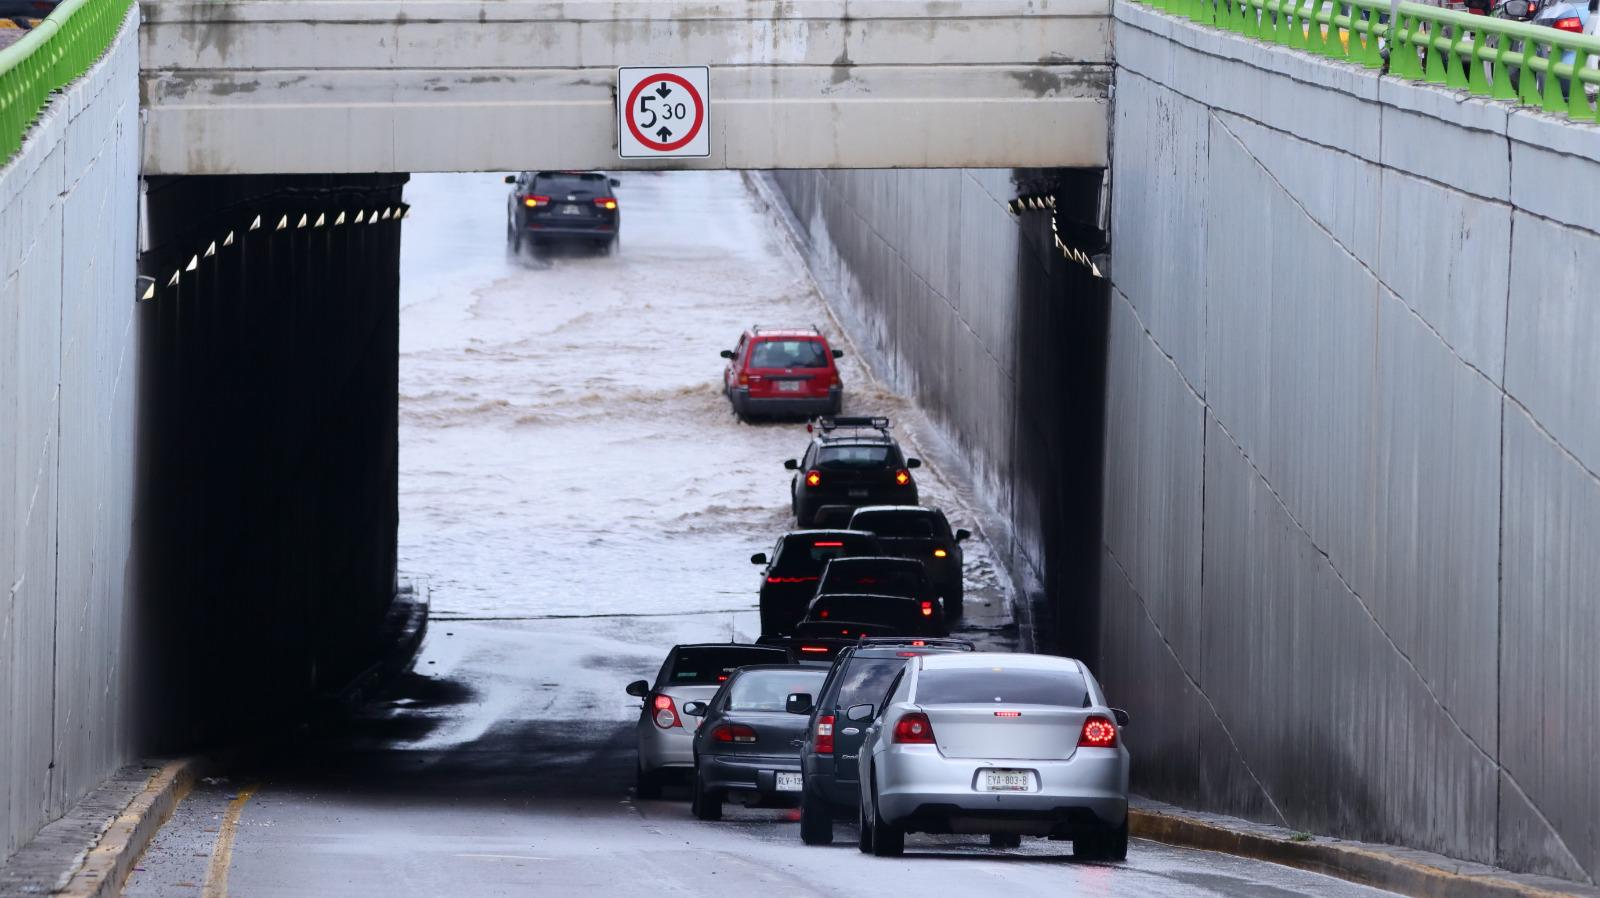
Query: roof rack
pixel 756 328
pixel 829 423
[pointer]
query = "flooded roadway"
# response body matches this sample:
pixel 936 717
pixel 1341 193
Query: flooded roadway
pixel 580 497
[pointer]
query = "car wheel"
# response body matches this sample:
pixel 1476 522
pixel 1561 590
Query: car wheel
pixel 864 840
pixel 707 803
pixel 1111 845
pixel 955 603
pixel 887 841
pixel 1004 840
pixel 646 783
pixel 816 819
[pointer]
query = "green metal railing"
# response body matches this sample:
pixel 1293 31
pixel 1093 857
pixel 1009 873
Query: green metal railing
pixel 1489 57
pixel 48 58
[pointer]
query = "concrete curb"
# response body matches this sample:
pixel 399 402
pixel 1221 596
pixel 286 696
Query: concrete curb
pixel 106 866
pixel 1394 870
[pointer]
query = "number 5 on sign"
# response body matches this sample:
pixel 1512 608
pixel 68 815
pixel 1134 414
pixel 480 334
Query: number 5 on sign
pixel 663 112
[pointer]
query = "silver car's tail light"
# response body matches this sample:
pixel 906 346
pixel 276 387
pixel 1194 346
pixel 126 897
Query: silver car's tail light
pixel 913 729
pixel 1098 732
pixel 666 713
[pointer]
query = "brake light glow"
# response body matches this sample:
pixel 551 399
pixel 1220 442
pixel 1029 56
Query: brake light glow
pixel 734 732
pixel 605 202
pixel 913 729
pixel 813 478
pixel 666 715
pixel 1098 732
pixel 902 477
pixel 822 613
pixel 828 545
pixel 927 609
pixel 744 380
pixel 1008 713
pixel 1571 24
pixel 790 579
pixel 940 553
pixel 825 734
pixel 814 649
pixel 534 202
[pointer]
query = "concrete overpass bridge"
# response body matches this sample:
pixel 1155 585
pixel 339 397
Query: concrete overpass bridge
pixel 280 86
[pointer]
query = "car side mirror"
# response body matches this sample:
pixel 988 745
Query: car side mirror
pixel 1121 716
pixel 859 712
pixel 616 182
pixel 511 179
pixel 758 558
pixel 838 353
pixel 639 688
pixel 694 709
pixel 726 353
pixel 798 703
pixel 913 462
pixel 791 464
pixel 963 535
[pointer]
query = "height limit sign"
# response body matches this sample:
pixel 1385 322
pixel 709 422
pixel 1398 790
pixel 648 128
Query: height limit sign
pixel 663 112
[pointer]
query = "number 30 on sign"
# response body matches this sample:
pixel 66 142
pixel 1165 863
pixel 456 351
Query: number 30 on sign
pixel 663 112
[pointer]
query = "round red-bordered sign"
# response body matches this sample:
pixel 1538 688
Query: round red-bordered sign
pixel 650 142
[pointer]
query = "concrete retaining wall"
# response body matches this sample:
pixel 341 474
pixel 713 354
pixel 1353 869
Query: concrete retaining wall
pixel 1353 583
pixel 68 387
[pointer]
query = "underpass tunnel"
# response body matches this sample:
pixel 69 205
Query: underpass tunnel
pixel 265 536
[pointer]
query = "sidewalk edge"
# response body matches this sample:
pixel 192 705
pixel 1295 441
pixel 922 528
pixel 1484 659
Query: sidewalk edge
pixel 106 866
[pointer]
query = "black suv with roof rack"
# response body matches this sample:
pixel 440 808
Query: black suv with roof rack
pixel 850 462
pixel 860 677
pixel 562 205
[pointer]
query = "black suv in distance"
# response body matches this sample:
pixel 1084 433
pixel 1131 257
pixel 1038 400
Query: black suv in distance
pixel 923 534
pixel 850 462
pixel 828 761
pixel 564 205
pixel 790 579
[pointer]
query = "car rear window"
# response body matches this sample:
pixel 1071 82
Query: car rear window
pixel 899 524
pixel 869 456
pixel 805 555
pixel 866 680
pixel 867 579
pixel 841 629
pixel 767 690
pixel 789 354
pixel 584 183
pixel 1004 685
pixel 709 666
pixel 867 611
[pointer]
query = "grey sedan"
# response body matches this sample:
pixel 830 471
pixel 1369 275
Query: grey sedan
pixel 747 741
pixel 998 744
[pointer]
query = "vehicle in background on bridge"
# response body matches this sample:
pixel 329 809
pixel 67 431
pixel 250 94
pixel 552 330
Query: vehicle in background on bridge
pixel 747 741
pixel 782 372
pixel 547 206
pixel 911 531
pixel 850 462
pixel 789 580
pixel 690 672
pixel 998 744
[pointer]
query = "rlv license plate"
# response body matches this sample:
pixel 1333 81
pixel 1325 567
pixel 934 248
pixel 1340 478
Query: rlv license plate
pixel 788 782
pixel 1006 781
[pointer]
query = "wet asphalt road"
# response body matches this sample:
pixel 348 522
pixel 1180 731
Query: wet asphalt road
pixel 574 486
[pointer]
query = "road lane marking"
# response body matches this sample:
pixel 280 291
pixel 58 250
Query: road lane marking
pixel 216 884
pixel 508 857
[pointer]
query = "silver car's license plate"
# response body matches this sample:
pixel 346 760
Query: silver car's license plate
pixel 1005 781
pixel 788 782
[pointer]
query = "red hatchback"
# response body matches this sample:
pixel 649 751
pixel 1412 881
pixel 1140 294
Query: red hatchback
pixel 778 372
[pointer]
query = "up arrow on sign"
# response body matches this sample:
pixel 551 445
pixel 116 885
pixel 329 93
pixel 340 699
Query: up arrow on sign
pixel 663 112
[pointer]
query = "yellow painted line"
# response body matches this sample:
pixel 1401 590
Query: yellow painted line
pixel 216 885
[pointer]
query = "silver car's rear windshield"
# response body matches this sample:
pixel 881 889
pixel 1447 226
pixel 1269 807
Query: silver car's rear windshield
pixel 1008 686
pixel 767 690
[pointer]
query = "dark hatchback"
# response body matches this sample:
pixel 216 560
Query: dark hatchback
pixel 850 462
pixel 860 675
pixel 546 206
pixel 789 580
pixel 924 534
pixel 904 617
pixel 885 576
pixel 747 742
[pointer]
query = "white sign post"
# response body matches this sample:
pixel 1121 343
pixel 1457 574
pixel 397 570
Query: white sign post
pixel 663 112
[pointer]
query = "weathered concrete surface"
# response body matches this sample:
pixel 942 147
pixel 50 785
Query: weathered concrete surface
pixel 279 86
pixel 68 386
pixel 1369 292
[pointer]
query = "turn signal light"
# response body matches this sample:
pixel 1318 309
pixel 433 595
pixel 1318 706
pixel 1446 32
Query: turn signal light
pixel 927 609
pixel 813 478
pixel 533 202
pixel 1098 732
pixel 940 553
pixel 1572 24
pixel 734 732
pixel 666 715
pixel 605 202
pixel 825 734
pixel 902 477
pixel 913 729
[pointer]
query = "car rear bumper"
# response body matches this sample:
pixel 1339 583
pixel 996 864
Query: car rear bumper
pixel 922 790
pixel 660 748
pixel 747 773
pixel 785 407
pixel 597 231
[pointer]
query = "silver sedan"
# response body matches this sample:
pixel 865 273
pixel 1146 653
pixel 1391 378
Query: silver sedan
pixel 998 744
